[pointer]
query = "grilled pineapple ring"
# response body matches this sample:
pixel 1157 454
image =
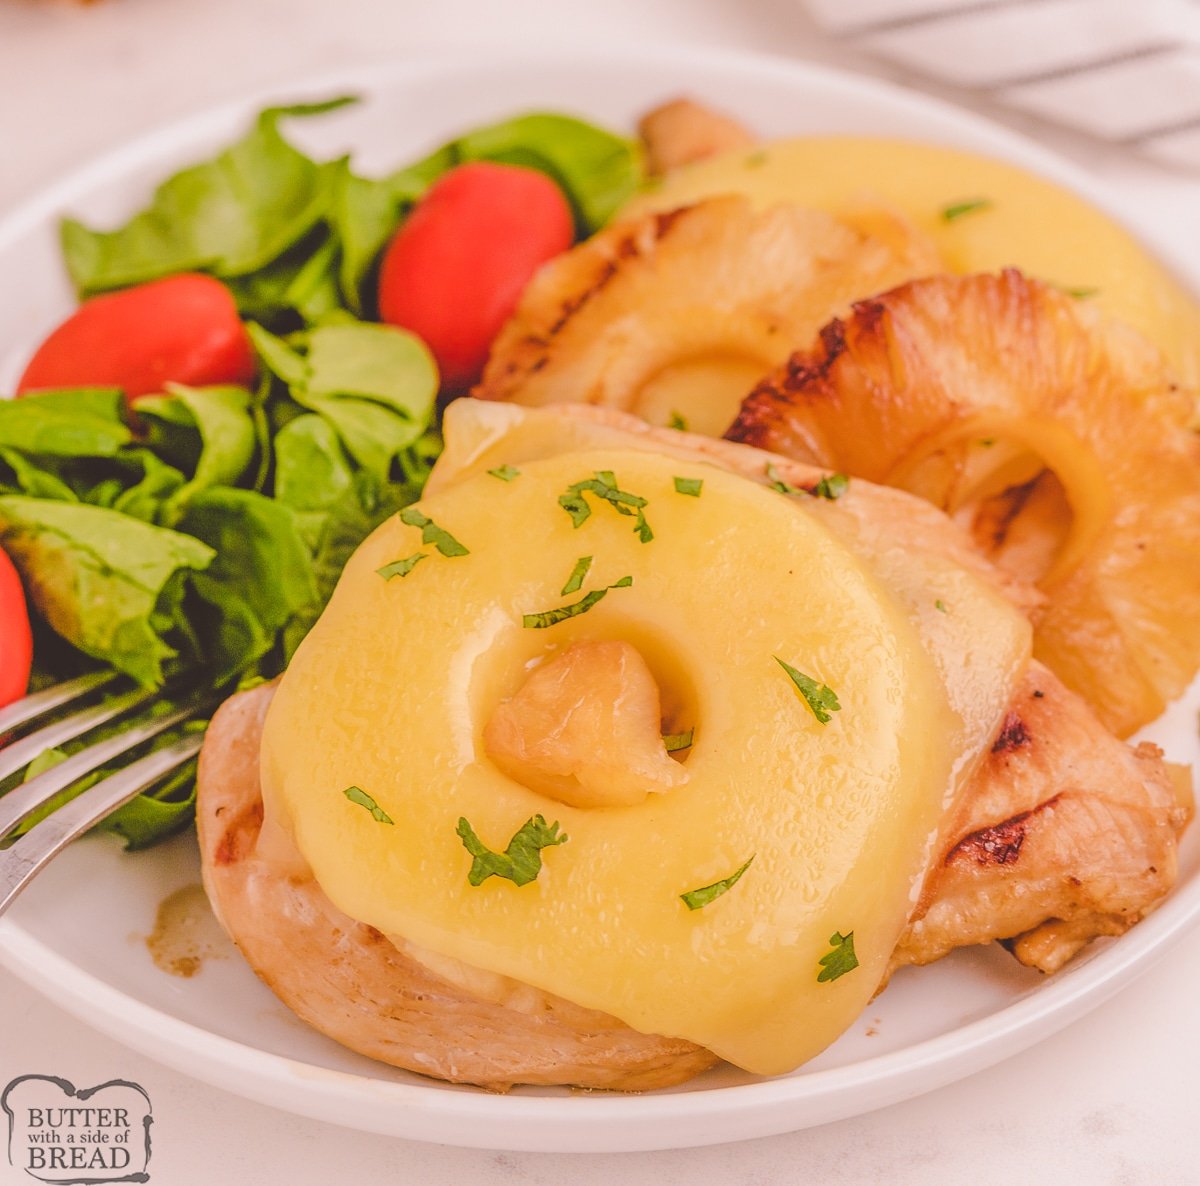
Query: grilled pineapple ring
pixel 683 311
pixel 391 692
pixel 1063 441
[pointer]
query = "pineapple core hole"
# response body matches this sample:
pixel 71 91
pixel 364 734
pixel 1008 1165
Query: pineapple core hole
pixel 1008 495
pixel 586 728
pixel 705 390
pixel 1023 529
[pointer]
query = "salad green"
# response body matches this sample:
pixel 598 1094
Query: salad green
pixel 199 535
pixel 296 239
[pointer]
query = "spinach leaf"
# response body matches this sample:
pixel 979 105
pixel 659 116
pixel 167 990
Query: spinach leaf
pixel 208 432
pixel 374 384
pixel 108 583
pixel 596 170
pixel 300 286
pixel 220 418
pixel 156 814
pixel 260 578
pixel 145 500
pixel 346 522
pixel 312 473
pixel 279 357
pixel 230 216
pixel 72 422
pixel 27 477
pixel 365 213
pixel 380 363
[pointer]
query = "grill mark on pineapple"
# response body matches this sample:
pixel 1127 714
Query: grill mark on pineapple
pixel 803 376
pixel 867 316
pixel 666 220
pixel 757 415
pixel 802 370
pixel 995 516
pixel 572 305
pixel 626 249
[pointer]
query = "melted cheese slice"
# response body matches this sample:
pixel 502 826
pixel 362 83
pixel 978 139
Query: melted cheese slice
pixel 392 690
pixel 1028 222
pixel 977 639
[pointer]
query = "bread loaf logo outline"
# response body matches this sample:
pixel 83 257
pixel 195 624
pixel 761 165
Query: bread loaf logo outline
pixel 68 1136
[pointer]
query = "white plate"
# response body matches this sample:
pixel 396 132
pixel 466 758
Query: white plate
pixel 77 934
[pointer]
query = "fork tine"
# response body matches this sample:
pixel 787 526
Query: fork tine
pixel 29 708
pixel 19 754
pixel 25 859
pixel 23 801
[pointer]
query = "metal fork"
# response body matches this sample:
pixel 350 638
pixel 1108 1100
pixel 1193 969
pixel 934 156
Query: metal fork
pixel 22 860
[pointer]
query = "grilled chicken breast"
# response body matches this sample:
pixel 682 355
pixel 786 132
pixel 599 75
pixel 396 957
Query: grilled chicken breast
pixel 683 131
pixel 1062 834
pixel 380 997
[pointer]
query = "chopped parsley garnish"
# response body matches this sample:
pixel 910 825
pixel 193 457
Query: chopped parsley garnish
pixel 756 160
pixel 940 606
pixel 505 473
pixel 576 506
pixel 575 580
pixel 520 862
pixel 1081 294
pixel 821 698
pixel 677 741
pixel 401 568
pixel 689 486
pixel 696 898
pixel 604 486
pixel 958 209
pixel 840 960
pixel 359 796
pixel 831 486
pixel 431 533
pixel 777 483
pixel 552 617
pixel 677 422
pixel 987 442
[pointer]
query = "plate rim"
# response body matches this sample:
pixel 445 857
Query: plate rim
pixel 950 1056
pixel 649 1121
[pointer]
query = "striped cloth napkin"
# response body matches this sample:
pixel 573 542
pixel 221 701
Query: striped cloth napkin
pixel 1127 71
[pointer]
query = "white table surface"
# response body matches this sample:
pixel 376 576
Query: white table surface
pixel 1110 1100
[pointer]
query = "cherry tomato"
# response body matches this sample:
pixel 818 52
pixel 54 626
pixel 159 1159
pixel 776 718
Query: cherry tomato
pixel 16 639
pixel 183 328
pixel 454 271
